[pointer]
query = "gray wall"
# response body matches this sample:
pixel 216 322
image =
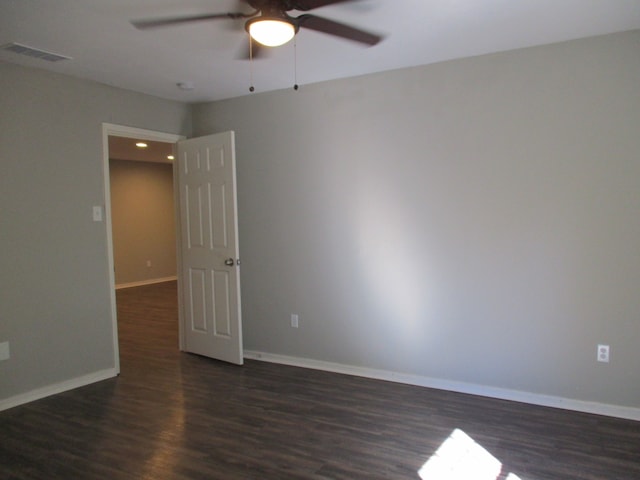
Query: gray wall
pixel 142 221
pixel 54 292
pixel 474 221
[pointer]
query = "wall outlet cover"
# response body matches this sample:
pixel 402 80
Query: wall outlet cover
pixel 5 354
pixel 603 353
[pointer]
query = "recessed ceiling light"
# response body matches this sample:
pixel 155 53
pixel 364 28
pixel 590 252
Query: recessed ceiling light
pixel 170 157
pixel 141 145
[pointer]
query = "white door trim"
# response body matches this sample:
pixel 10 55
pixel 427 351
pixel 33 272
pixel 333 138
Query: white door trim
pixel 109 129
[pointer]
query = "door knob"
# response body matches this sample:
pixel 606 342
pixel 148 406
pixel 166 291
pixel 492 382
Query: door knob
pixel 229 262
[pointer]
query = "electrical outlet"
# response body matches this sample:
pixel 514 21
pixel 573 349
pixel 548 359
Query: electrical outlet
pixel 148 263
pixel 5 354
pixel 294 320
pixel 603 353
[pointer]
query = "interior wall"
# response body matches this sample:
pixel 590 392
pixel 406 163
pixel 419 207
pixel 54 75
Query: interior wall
pixel 474 221
pixel 142 221
pixel 54 283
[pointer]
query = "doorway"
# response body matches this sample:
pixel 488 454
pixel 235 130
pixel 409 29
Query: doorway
pixel 130 133
pixel 143 224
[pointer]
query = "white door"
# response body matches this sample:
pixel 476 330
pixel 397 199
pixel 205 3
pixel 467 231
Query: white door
pixel 209 272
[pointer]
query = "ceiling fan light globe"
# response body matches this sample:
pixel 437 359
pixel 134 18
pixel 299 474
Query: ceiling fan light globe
pixel 271 32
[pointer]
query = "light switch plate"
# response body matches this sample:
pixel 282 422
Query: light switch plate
pixel 97 213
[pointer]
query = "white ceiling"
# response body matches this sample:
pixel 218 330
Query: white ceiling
pixel 105 47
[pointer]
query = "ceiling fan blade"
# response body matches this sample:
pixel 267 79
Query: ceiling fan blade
pixel 164 22
pixel 320 24
pixel 306 5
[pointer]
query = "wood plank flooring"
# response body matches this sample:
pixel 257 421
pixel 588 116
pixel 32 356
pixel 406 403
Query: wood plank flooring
pixel 171 415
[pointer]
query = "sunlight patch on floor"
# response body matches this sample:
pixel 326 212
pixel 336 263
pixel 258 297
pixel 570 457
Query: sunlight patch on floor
pixel 461 458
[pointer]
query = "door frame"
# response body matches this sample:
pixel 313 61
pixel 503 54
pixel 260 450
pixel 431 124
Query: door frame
pixel 109 129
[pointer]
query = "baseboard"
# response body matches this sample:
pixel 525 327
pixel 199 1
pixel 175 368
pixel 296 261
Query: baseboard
pixel 150 281
pixel 39 393
pixel 628 413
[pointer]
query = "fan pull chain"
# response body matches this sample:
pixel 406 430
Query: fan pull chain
pixel 295 64
pixel 251 89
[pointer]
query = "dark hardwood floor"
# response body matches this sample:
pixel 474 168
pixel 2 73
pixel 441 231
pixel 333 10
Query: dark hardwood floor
pixel 171 415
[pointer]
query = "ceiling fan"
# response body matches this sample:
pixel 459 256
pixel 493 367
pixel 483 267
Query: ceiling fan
pixel 270 25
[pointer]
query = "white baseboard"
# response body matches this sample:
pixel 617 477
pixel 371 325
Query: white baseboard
pixel 150 281
pixel 39 393
pixel 629 413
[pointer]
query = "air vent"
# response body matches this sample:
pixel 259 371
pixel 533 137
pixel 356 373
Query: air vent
pixel 33 52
